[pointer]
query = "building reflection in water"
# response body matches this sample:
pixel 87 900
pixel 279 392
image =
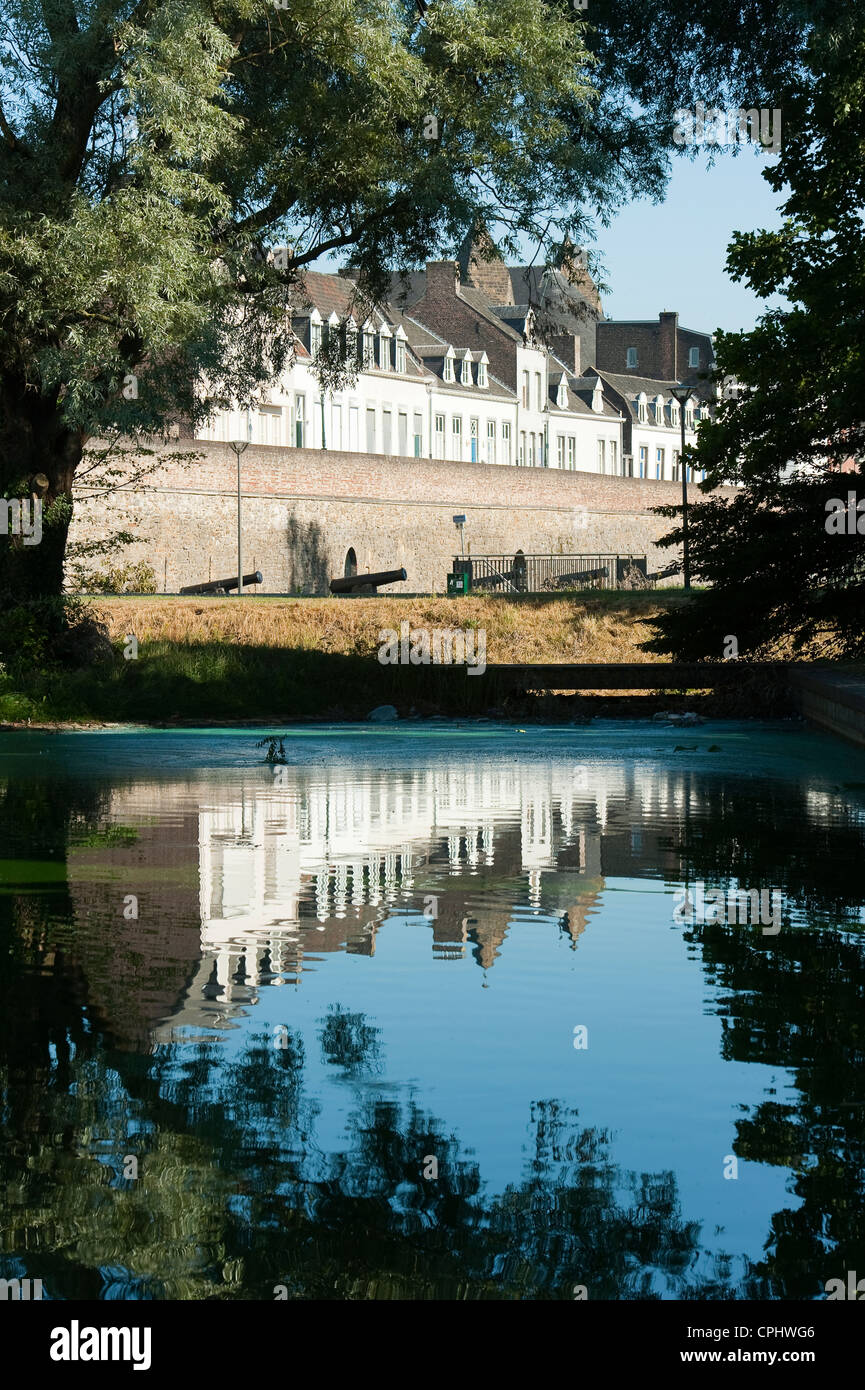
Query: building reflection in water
pixel 302 865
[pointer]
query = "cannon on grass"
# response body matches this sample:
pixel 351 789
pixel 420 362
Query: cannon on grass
pixel 222 586
pixel 366 583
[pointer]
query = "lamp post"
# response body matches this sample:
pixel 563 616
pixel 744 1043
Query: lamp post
pixel 682 394
pixel 459 523
pixel 239 446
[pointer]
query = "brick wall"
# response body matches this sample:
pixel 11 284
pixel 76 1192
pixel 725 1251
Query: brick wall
pixel 302 510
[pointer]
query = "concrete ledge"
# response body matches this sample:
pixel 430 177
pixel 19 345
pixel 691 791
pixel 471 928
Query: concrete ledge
pixel 832 699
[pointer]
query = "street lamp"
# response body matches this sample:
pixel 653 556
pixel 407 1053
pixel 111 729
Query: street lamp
pixel 239 445
pixel 459 523
pixel 682 394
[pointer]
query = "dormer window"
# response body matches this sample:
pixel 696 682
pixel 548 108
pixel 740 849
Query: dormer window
pixel 399 351
pixel 449 373
pixel 674 413
pixel 483 375
pixel 689 414
pixel 315 333
pixel 659 410
pixel 631 357
pixel 332 327
pixel 562 395
pixel 350 338
pixel 694 357
pixel 642 405
pixel 598 397
pixel 368 348
pixel 466 370
pixel 384 337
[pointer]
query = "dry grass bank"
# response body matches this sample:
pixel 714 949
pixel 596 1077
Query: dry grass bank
pixel 531 629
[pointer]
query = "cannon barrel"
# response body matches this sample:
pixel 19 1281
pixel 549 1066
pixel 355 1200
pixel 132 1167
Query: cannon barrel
pixel 215 586
pixel 363 581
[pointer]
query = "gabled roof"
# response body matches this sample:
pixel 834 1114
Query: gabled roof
pixel 335 294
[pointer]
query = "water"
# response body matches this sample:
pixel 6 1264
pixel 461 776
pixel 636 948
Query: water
pixel 413 1016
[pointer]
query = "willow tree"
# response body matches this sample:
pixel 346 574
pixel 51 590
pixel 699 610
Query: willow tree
pixel 151 153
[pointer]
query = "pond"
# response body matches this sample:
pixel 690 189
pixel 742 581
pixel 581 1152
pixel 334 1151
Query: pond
pixel 433 1011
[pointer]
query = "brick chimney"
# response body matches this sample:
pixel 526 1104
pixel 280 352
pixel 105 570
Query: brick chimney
pixel 566 346
pixel 442 278
pixel 669 346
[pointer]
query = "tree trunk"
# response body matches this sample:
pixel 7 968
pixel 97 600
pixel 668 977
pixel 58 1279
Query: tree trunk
pixel 34 441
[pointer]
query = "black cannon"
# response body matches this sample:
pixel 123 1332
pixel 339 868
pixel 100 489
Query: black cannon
pixel 365 583
pixel 222 586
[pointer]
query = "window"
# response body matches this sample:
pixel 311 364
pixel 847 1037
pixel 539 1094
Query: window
pixel 506 441
pixel 491 441
pixel 336 427
pixel 386 430
pixel 466 370
pixel 400 354
pixel 560 451
pixel 531 457
pixel 457 436
pixel 602 456
pixel 384 350
pixel 370 429
pixel 659 410
pixel 439 436
pixel 417 426
pixel 631 357
pixel 483 378
pixel 572 452
pixel 676 477
pixel 674 414
pixel 368 351
pixel 659 463
pixel 539 391
pixel 562 395
pixel 614 463
pixel 525 396
pixel 473 436
pixel 522 457
pixel 689 415
pixel 644 461
pixel 299 420
pixel 314 337
pixel 694 357
pixel 448 372
pixel 642 409
pixel 270 424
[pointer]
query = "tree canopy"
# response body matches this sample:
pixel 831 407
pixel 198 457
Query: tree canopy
pixel 785 564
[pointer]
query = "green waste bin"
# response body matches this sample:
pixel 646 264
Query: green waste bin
pixel 458 584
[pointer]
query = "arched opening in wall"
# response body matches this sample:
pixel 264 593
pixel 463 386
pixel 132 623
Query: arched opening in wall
pixel 520 572
pixel 350 563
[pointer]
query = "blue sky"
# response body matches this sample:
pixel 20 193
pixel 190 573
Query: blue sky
pixel 671 255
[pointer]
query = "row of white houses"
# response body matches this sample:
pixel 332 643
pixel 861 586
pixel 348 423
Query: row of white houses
pixel 416 394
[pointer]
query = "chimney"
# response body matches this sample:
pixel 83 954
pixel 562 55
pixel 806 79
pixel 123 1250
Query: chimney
pixel 669 354
pixel 442 278
pixel 566 346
